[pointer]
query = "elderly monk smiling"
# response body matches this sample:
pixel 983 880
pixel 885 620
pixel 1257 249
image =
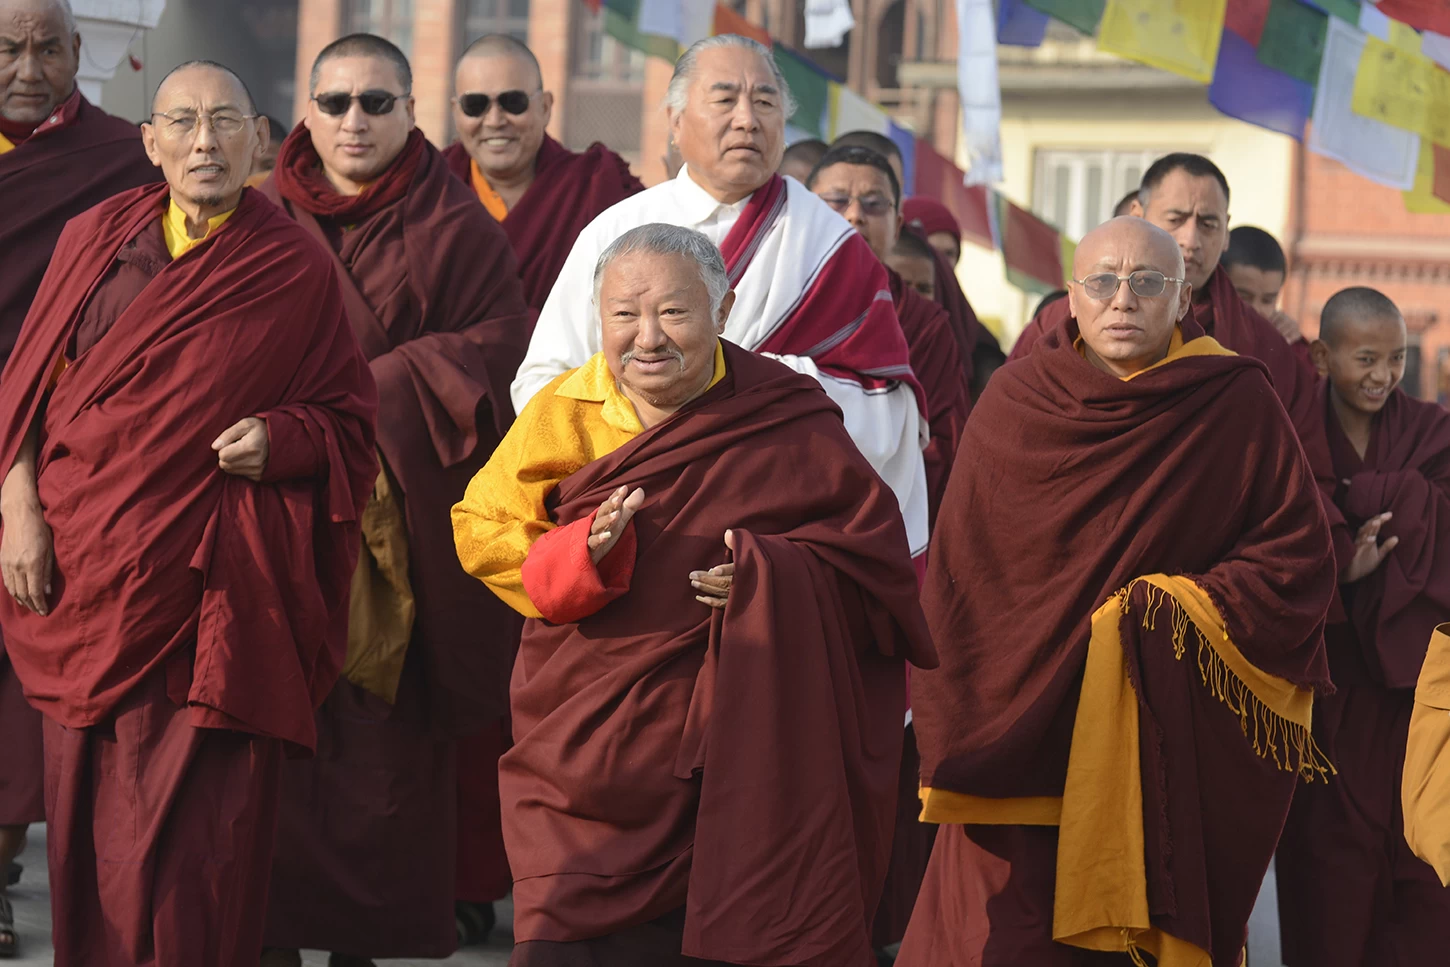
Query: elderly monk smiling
pixel 648 511
pixel 178 536
pixel 1111 750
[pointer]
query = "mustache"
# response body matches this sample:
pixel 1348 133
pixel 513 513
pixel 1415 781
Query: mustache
pixel 630 356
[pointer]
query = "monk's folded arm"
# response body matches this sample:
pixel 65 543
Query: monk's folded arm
pixel 1373 492
pixel 20 489
pixel 561 578
pixel 292 451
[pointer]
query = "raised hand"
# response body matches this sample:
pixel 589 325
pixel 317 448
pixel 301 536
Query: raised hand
pixel 243 448
pixel 1369 553
pixel 610 520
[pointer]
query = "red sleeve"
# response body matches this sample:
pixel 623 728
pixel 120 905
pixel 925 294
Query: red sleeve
pixel 564 584
pixel 291 452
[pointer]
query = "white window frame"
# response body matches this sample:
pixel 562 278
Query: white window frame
pixel 1077 214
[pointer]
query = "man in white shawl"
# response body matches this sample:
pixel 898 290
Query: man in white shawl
pixel 808 290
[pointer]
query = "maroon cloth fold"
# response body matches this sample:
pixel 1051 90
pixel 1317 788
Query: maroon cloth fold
pixel 938 367
pixel 1121 479
pixel 298 177
pixel 161 549
pixel 432 292
pixel 569 190
pixel 658 762
pixel 47 182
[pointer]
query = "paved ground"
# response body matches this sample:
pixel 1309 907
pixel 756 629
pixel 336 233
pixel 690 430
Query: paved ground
pixel 32 913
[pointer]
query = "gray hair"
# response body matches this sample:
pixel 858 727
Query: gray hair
pixel 661 239
pixel 678 93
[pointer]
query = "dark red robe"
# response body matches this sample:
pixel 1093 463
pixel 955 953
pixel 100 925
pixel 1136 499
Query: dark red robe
pixel 56 173
pixel 1350 890
pixel 191 634
pixel 1188 469
pixel 938 368
pixel 569 190
pixel 659 776
pixel 978 348
pixel 367 839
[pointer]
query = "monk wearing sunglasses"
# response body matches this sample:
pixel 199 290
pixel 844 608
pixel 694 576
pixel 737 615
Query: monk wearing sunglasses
pixel 541 192
pixel 367 835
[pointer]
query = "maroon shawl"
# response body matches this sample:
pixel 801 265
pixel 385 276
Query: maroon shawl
pixel 1405 470
pixel 673 756
pixel 49 180
pixel 938 368
pixel 568 191
pixel 1077 483
pixel 155 547
pixel 431 289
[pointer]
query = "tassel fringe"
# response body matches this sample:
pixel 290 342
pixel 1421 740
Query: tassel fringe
pixel 1291 746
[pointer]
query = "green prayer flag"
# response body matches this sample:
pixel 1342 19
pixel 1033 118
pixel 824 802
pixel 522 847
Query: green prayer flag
pixel 811 89
pixel 1081 14
pixel 1346 10
pixel 623 29
pixel 1293 40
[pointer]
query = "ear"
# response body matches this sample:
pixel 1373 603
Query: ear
pixel 1136 209
pixel 412 113
pixel 1074 293
pixel 1185 301
pixel 546 101
pixel 76 45
pixel 264 137
pixel 148 141
pixel 674 122
pixel 726 304
pixel 1319 352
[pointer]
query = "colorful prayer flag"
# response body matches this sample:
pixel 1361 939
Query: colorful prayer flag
pixel 727 21
pixel 1019 25
pixel 1178 36
pixel 938 178
pixel 1402 89
pixel 1366 146
pixel 1244 88
pixel 1421 199
pixel 850 111
pixel 905 143
pixel 1084 15
pixel 810 87
pixel 1346 10
pixel 1419 14
pixel 683 21
pixel 1246 18
pixel 1293 39
pixel 1031 248
pixel 1441 182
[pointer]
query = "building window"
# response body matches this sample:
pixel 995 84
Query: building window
pixel 483 17
pixel 1076 190
pixel 392 19
pixel 606 90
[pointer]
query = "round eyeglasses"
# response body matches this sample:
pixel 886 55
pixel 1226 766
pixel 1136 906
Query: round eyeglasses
pixel 1145 283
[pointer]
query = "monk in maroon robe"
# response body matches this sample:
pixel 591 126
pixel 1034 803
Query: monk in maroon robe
pixel 541 192
pixel 187 440
pixel 59 156
pixel 934 223
pixel 366 845
pixel 1350 889
pixel 1130 617
pixel 702 772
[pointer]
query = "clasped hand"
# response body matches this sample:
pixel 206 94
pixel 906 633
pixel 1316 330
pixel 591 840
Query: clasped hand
pixel 615 514
pixel 243 448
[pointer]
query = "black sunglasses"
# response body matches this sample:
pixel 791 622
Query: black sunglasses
pixel 512 102
pixel 373 102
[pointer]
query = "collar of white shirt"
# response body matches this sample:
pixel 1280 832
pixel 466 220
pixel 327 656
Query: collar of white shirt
pixel 696 205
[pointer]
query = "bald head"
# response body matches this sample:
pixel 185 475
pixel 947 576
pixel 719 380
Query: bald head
pixel 39 55
pixel 1127 329
pixel 502 45
pixel 1361 349
pixel 1357 305
pixel 186 75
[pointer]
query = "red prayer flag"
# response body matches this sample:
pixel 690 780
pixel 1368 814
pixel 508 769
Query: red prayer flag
pixel 1441 185
pixel 1420 14
pixel 938 178
pixel 1031 248
pixel 727 21
pixel 593 5
pixel 1246 18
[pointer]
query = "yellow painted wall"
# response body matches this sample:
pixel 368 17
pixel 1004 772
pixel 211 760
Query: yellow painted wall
pixel 1257 163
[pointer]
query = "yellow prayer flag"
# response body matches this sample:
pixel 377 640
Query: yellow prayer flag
pixel 1421 199
pixel 1179 36
pixel 1069 249
pixel 1397 87
pixel 1404 37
